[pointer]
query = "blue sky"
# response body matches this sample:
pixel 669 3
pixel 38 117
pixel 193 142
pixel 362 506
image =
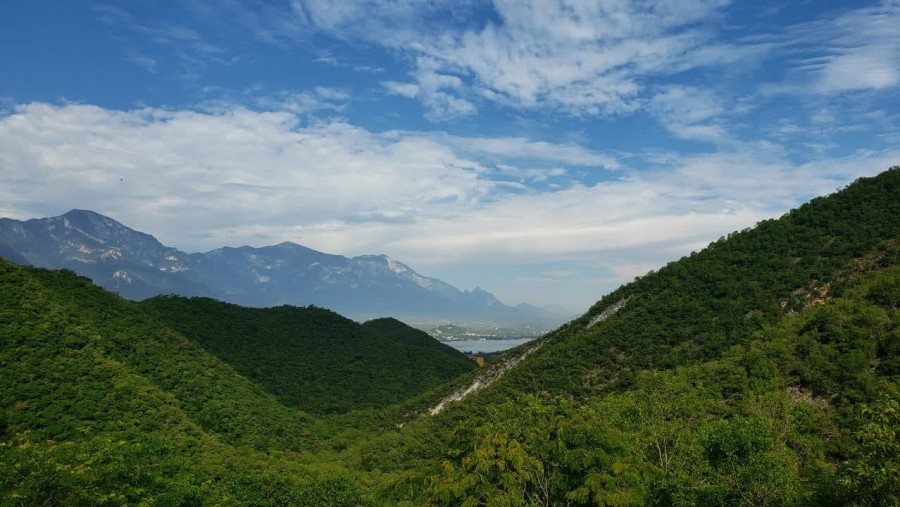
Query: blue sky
pixel 547 151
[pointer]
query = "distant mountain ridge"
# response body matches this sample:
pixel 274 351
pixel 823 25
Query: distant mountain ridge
pixel 138 266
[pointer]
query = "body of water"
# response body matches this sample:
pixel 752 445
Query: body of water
pixel 487 346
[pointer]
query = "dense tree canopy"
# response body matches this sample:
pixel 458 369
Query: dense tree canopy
pixel 312 358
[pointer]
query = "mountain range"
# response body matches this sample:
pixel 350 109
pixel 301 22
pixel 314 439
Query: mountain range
pixel 137 266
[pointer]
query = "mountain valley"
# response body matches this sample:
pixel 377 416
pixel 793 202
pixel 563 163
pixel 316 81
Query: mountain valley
pixel 761 370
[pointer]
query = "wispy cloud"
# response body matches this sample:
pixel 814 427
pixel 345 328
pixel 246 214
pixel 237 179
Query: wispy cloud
pixel 690 113
pixel 525 151
pixel 857 50
pixel 439 91
pixel 143 61
pixel 304 102
pixel 584 58
pixel 187 44
pixel 862 50
pixel 334 61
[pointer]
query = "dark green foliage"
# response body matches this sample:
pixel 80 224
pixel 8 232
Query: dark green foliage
pixel 313 358
pixel 105 406
pixel 61 327
pixel 281 490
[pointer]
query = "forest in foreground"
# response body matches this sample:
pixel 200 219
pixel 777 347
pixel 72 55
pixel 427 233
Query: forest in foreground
pixel 762 370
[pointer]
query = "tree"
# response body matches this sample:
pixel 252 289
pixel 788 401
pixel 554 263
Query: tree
pixel 872 476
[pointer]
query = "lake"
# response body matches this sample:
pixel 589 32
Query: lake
pixel 487 346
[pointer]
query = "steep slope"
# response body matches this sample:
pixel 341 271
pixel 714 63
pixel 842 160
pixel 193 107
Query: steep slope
pixel 312 358
pixel 137 266
pixel 763 370
pixel 488 376
pixel 696 308
pixel 805 413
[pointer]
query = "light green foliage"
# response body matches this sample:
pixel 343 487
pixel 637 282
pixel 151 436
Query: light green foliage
pixel 97 471
pixel 534 453
pixel 747 464
pixel 872 475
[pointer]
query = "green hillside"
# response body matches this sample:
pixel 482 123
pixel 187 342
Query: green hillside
pixel 312 358
pixel 763 370
pixel 805 412
pixel 781 339
pixel 698 307
pixel 100 404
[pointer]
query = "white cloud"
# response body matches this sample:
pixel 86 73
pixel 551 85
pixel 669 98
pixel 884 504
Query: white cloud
pixel 201 180
pixel 521 148
pixel 858 50
pixel 589 57
pixel 859 70
pixel 438 92
pixel 581 57
pixel 213 172
pixel 689 113
pixel 408 90
pixel 686 104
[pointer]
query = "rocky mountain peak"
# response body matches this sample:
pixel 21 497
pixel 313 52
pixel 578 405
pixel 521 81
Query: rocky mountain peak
pixel 137 266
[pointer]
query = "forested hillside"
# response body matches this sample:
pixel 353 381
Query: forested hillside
pixel 698 307
pixel 763 370
pixel 103 405
pixel 805 412
pixel 312 358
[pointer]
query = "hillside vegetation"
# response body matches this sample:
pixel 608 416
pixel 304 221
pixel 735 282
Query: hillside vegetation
pixel 805 412
pixel 780 340
pixel 763 370
pixel 698 307
pixel 102 403
pixel 312 358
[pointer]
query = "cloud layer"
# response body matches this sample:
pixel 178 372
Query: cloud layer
pixel 199 180
pixel 582 57
pixel 590 58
